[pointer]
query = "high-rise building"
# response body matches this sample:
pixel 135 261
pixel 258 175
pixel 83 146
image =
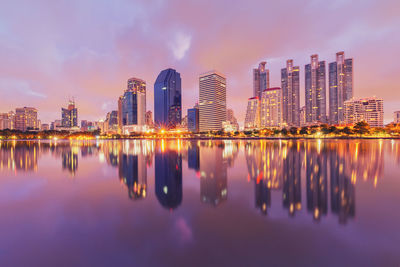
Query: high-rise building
pixel 132 105
pixel 120 103
pixel 369 110
pixel 212 101
pixel 230 116
pixel 252 119
pixel 303 116
pixel 290 79
pixel 193 119
pixel 271 107
pixel 167 99
pixel 340 87
pixel 25 119
pixel 315 91
pixel 69 116
pixel 397 117
pixel 260 79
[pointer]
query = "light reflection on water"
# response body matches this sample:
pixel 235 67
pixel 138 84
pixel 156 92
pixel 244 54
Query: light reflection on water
pixel 309 181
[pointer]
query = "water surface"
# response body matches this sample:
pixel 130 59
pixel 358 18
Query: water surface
pixel 200 203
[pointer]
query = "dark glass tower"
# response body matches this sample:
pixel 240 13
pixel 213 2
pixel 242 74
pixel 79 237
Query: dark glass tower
pixel 290 80
pixel 167 99
pixel 315 91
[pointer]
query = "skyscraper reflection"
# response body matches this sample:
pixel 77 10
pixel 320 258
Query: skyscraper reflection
pixel 317 176
pixel 193 156
pixel 291 178
pixel 263 195
pixel 213 173
pixel 168 176
pixel 70 160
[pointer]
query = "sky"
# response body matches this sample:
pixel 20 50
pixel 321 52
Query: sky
pixel 51 51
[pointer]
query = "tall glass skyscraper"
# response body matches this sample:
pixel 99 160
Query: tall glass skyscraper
pixel 69 116
pixel 290 80
pixel 260 79
pixel 340 87
pixel 167 99
pixel 212 101
pixel 315 91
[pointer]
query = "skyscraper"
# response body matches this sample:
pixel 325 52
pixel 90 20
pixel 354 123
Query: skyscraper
pixel 193 119
pixel 25 119
pixel 290 79
pixel 212 101
pixel 315 91
pixel 340 87
pixel 132 104
pixel 271 107
pixel 252 119
pixel 396 115
pixel 69 116
pixel 167 99
pixel 260 79
pixel 369 110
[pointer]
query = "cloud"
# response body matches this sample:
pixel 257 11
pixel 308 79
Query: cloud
pixel 180 45
pixel 11 87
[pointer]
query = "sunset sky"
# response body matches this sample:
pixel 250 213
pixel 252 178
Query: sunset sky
pixel 51 51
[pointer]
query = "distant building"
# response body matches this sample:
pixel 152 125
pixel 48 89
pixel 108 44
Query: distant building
pixel 271 107
pixel 303 117
pixel 84 125
pixel 340 87
pixel 230 117
pixel 138 87
pixel 45 127
pixel 397 117
pixel 25 119
pixel 212 101
pixel 55 125
pixel 193 119
pixel 260 79
pixel 167 99
pixel 290 80
pixel 7 120
pixel 69 116
pixel 315 91
pixel 111 122
pixel 149 118
pixel 228 126
pixel 369 110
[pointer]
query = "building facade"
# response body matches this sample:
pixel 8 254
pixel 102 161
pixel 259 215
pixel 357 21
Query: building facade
pixel 193 119
pixel 397 117
pixel 271 107
pixel 260 79
pixel 340 87
pixel 167 99
pixel 369 110
pixel 290 80
pixel 212 101
pixel 69 116
pixel 7 120
pixel 25 119
pixel 315 91
pixel 252 119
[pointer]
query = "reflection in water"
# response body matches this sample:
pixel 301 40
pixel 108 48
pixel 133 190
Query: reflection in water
pixel 316 168
pixel 168 176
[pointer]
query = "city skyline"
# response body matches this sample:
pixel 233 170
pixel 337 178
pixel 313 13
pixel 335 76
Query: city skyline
pixel 64 58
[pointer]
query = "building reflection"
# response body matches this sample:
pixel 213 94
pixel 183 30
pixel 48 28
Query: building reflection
pixel 291 177
pixel 316 177
pixel 168 174
pixel 193 155
pixel 70 159
pixel 213 172
pixel 132 167
pixel 19 156
pixel 342 189
pixel 263 195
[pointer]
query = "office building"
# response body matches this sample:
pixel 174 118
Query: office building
pixel 193 119
pixel 25 119
pixel 69 116
pixel 271 107
pixel 167 99
pixel 290 80
pixel 315 91
pixel 260 79
pixel 212 101
pixel 230 117
pixel 252 119
pixel 369 110
pixel 149 118
pixel 340 87
pixel 7 120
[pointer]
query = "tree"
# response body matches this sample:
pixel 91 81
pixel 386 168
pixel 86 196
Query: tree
pixel 304 131
pixel 361 128
pixel 347 130
pixel 284 131
pixel 293 130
